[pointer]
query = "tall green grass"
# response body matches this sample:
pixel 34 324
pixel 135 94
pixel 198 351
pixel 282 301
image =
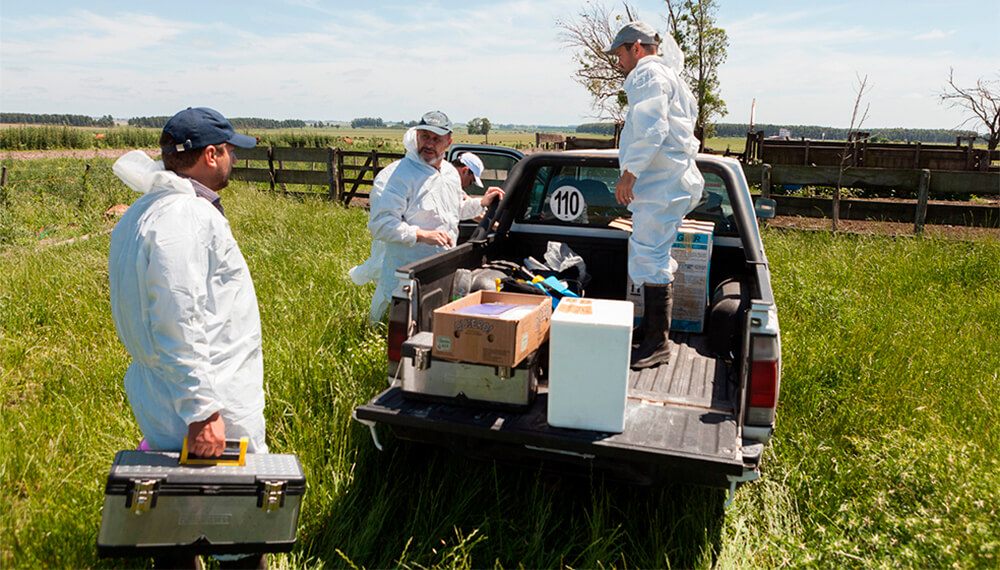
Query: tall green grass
pixel 51 138
pixel 885 453
pixel 886 450
pixel 57 199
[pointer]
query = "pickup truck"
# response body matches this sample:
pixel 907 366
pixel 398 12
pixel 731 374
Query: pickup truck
pixel 704 418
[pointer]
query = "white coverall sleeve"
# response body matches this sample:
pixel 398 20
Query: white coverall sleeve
pixel 176 283
pixel 385 222
pixel 470 207
pixel 650 118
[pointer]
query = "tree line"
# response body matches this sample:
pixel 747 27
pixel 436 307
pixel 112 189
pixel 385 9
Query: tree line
pixel 64 120
pixel 368 123
pixel 238 123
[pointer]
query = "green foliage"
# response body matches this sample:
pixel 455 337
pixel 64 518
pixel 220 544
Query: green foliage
pixel 885 452
pixel 597 128
pixel 237 122
pixel 693 27
pixel 65 120
pixel 149 122
pixel 367 122
pixel 479 126
pixel 52 138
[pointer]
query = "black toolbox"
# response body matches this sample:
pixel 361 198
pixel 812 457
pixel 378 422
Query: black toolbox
pixel 155 505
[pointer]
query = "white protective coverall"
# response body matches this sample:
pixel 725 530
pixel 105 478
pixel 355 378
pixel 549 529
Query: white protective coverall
pixel 415 196
pixel 372 267
pixel 658 146
pixel 185 308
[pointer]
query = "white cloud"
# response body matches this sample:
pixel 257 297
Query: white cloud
pixel 934 35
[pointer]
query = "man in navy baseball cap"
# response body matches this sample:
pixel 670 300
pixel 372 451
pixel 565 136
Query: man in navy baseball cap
pixel 199 143
pixel 198 127
pixel 184 304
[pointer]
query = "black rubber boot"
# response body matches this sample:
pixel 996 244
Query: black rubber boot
pixel 655 347
pixel 639 332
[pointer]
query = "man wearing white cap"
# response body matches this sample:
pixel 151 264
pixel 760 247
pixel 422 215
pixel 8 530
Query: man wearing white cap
pixel 660 181
pixel 416 206
pixel 470 168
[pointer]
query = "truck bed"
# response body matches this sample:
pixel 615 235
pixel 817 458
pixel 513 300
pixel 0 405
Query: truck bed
pixel 679 419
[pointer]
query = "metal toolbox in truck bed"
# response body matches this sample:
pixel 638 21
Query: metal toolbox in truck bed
pixel 428 378
pixel 154 505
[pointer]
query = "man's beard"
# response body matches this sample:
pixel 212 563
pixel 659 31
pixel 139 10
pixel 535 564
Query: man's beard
pixel 434 161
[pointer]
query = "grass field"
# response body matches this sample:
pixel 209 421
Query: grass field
pixel 885 453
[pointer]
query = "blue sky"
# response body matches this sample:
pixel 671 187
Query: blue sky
pixel 502 59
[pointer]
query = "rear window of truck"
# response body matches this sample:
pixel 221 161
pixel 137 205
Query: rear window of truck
pixel 585 196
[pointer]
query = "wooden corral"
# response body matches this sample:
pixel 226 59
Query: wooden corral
pixel 863 153
pixel 550 141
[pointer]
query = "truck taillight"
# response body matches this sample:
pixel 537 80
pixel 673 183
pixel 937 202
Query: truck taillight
pixel 764 381
pixel 398 316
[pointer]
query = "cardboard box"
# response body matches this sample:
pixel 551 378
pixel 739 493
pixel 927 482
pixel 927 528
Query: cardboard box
pixel 474 328
pixel 589 349
pixel 693 253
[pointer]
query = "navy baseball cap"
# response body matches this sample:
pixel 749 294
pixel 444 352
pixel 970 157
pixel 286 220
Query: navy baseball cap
pixel 199 127
pixel 435 122
pixel 634 32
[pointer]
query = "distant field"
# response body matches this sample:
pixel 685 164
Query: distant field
pixel 734 145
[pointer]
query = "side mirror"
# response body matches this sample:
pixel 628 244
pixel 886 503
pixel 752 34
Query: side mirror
pixel 765 208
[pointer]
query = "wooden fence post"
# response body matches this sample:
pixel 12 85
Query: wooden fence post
pixel 85 189
pixel 341 185
pixel 922 191
pixel 3 186
pixel 270 165
pixel 332 173
pixel 765 181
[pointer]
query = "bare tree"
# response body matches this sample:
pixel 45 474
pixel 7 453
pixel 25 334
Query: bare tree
pixel 589 34
pixel 854 139
pixel 983 101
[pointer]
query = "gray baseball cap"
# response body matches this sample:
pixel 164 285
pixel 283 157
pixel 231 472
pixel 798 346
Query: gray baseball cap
pixel 435 122
pixel 634 32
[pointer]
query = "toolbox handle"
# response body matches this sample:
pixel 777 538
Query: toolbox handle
pixel 234 454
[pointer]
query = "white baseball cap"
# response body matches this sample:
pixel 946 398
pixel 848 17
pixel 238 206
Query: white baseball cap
pixel 475 164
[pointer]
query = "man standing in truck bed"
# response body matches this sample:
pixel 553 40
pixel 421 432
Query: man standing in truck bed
pixel 660 181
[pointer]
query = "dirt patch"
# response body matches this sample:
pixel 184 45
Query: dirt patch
pixel 76 153
pixel 885 228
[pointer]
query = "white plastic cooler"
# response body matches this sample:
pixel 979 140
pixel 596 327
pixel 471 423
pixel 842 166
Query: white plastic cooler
pixel 589 346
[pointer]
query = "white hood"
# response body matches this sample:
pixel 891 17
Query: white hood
pixel 143 174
